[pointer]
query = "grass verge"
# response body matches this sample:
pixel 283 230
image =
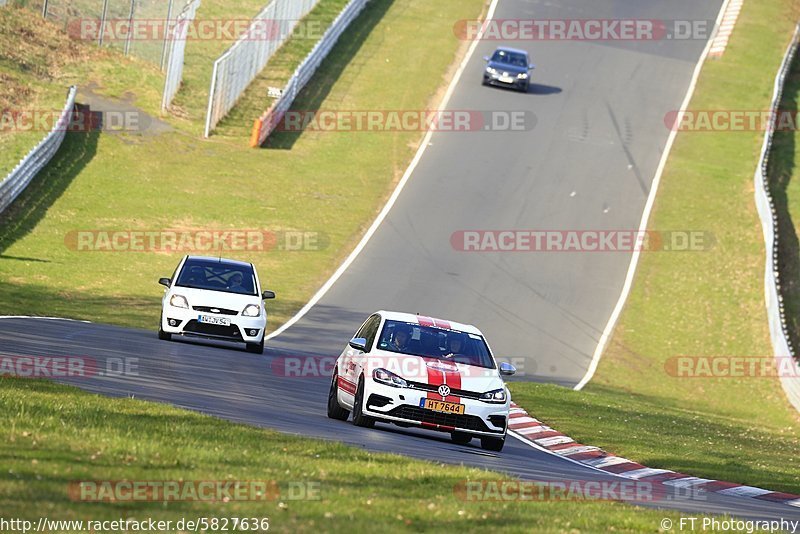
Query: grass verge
pixel 55 435
pixel 708 303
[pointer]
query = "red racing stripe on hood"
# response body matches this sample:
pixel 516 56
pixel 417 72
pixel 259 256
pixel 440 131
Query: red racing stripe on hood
pixel 435 378
pixel 453 379
pixel 424 321
pixel 439 374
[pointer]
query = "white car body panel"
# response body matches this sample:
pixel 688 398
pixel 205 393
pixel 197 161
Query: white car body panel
pixel 427 373
pixel 219 300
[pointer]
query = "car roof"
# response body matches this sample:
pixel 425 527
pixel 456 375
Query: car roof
pixel 440 323
pixel 220 260
pixel 507 49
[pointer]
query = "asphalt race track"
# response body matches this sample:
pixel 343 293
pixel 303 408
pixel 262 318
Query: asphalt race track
pixel 599 134
pixel 242 387
pixel 587 164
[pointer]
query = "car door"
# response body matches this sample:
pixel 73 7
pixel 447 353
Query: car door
pixel 354 360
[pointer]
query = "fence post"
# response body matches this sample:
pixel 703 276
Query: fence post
pixel 211 92
pixel 166 35
pixel 44 9
pixel 103 23
pixel 130 28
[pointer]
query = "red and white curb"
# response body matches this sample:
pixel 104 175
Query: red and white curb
pixel 527 428
pixel 726 28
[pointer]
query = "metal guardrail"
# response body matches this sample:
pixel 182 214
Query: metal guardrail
pixel 265 124
pixel 19 178
pixel 238 66
pixel 177 48
pixel 781 344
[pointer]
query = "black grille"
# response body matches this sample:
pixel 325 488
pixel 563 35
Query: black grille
pixel 221 311
pixel 216 330
pixel 455 392
pixel 467 422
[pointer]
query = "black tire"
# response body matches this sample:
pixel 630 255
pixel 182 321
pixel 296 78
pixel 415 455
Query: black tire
pixel 335 411
pixel 164 336
pixel 493 444
pixel 255 348
pixel 460 438
pixel 359 419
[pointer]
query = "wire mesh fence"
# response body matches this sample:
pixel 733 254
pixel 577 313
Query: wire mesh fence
pixel 136 27
pixel 235 69
pixel 176 49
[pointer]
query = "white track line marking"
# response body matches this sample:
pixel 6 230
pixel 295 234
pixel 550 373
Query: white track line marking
pixel 392 199
pixel 46 318
pixel 744 491
pixel 626 288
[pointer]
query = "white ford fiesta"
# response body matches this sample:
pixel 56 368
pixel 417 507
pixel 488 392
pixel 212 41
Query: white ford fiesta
pixel 412 370
pixel 215 298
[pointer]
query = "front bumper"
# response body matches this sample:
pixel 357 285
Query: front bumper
pixel 402 406
pixel 498 79
pixel 185 322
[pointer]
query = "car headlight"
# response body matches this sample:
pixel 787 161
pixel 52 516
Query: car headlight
pixel 388 378
pixel 498 396
pixel 490 70
pixel 252 310
pixel 179 301
pixel 522 75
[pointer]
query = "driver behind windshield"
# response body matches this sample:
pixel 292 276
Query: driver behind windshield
pixel 401 337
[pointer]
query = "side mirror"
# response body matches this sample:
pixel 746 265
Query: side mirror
pixel 359 343
pixel 164 281
pixel 506 369
pixel 268 294
pixel 486 58
pixel 531 66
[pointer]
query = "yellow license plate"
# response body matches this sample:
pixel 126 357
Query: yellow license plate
pixel 442 406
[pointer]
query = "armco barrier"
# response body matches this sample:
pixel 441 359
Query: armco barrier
pixel 269 120
pixel 177 49
pixel 18 179
pixel 781 344
pixel 235 69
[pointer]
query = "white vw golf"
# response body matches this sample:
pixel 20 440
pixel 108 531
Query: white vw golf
pixel 215 298
pixel 412 370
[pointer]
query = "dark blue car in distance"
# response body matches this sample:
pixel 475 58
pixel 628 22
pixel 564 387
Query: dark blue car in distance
pixel 508 67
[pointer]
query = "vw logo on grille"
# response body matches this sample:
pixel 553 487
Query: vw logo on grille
pixel 444 390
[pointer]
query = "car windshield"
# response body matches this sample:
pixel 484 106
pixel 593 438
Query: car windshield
pixel 432 342
pixel 514 59
pixel 218 276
